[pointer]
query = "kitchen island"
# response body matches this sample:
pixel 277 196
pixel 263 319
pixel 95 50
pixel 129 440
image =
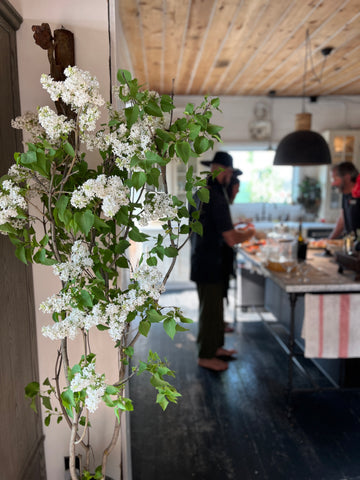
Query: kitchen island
pixel 284 297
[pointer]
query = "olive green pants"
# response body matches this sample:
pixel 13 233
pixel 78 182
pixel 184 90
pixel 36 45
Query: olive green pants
pixel 211 318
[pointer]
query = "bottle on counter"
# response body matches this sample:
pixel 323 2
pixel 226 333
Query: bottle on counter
pixel 301 245
pixel 357 241
pixel 349 243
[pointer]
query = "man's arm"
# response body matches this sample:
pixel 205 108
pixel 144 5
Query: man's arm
pixel 234 236
pixel 339 227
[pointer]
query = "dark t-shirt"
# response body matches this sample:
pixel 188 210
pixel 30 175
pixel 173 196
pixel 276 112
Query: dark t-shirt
pixel 206 250
pixel 351 209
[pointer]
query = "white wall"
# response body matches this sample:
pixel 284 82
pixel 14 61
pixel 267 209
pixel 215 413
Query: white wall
pixel 87 19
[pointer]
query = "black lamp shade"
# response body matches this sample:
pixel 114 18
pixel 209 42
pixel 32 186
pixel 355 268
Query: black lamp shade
pixel 302 148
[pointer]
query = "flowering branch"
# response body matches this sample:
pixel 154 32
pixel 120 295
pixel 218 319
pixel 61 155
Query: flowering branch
pixel 89 220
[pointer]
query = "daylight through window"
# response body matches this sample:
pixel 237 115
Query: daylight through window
pixel 261 181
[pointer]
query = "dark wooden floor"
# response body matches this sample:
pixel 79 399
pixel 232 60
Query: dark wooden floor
pixel 234 425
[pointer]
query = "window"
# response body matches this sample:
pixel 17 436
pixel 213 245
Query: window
pixel 261 181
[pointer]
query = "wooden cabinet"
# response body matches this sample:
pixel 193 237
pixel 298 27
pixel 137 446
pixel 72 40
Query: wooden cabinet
pixel 344 147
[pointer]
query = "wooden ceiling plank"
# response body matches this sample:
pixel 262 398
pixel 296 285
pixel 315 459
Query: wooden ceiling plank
pixel 129 18
pixel 290 76
pixel 200 13
pixel 266 41
pixel 222 23
pixel 151 17
pixel 175 30
pixel 292 49
pixel 335 66
pixel 248 18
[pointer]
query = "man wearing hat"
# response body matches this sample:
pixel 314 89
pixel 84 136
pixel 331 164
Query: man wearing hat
pixel 207 262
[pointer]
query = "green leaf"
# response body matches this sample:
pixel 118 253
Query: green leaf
pixel 102 328
pixel 153 177
pixel 21 254
pixel 137 236
pixel 183 151
pixel 201 145
pixel 61 205
pixel 152 108
pixel 189 109
pixel 170 327
pixel 123 76
pixel 153 157
pixel 32 389
pixel 40 257
pixel 197 227
pixel 171 252
pixel 166 103
pixel 46 402
pixel 85 221
pixel 204 195
pixel 111 390
pixel 86 299
pixel 122 262
pixel 138 179
pixel 69 149
pixel 47 420
pixel 121 246
pixel 154 316
pixel 213 129
pixel 27 158
pixel 151 261
pixel 144 327
pixel 129 351
pixel 131 114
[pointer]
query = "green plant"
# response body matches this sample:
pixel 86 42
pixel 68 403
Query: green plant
pixel 81 221
pixel 310 194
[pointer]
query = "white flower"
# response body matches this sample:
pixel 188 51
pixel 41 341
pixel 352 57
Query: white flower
pixel 80 90
pixel 29 122
pixel 149 279
pixel 158 205
pixel 93 383
pixel 12 202
pixel 53 124
pixel 79 260
pixel 111 190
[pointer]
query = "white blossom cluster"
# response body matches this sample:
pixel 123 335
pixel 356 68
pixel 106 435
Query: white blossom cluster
pixel 111 190
pixel 92 382
pixel 29 122
pixel 75 320
pixel 149 280
pixel 67 328
pixel 79 260
pixel 81 91
pixel 54 125
pixel 158 205
pixel 56 303
pixel 116 313
pixel 12 203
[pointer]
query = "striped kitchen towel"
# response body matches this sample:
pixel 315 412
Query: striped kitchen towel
pixel 331 326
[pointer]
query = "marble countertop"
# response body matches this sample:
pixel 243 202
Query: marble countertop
pixel 319 274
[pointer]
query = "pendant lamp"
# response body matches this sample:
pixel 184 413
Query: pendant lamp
pixel 304 147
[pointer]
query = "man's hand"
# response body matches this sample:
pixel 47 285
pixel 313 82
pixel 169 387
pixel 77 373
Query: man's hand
pixel 239 235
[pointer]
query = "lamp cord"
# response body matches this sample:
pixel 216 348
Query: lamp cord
pixel 308 54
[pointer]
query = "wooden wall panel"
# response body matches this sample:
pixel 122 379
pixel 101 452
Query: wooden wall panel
pixel 21 445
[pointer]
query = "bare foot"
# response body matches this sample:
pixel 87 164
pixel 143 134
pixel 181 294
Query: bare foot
pixel 223 352
pixel 213 364
pixel 228 328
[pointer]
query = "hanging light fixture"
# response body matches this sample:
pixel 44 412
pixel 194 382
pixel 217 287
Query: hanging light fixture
pixel 304 147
